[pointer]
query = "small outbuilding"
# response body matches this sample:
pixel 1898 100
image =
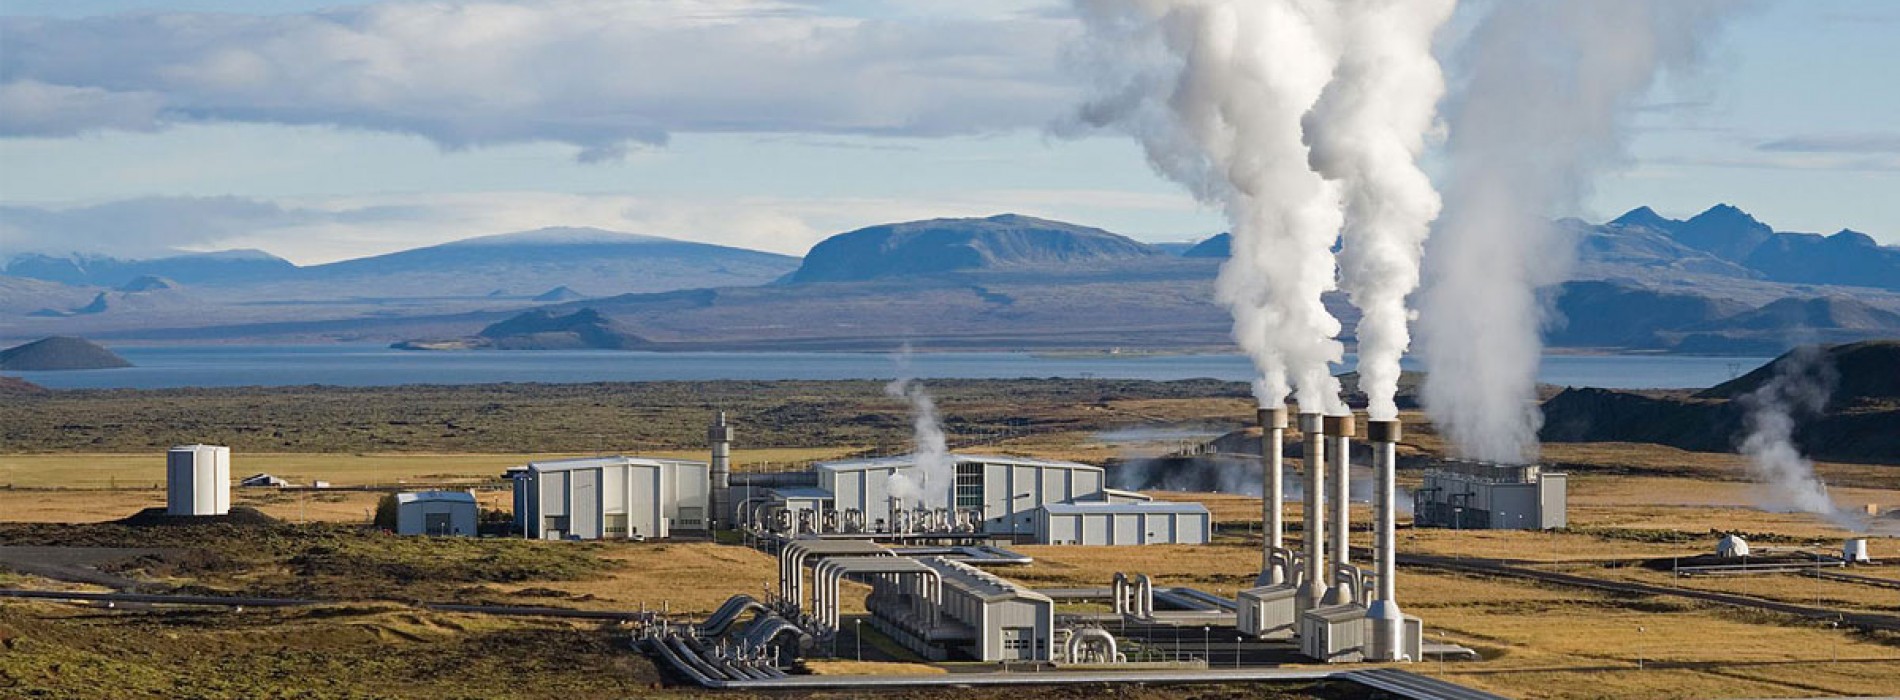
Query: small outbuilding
pixel 1731 546
pixel 439 513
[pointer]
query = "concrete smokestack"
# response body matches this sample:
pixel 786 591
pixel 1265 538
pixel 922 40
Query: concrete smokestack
pixel 1313 589
pixel 1339 432
pixel 1388 623
pixel 720 501
pixel 1273 492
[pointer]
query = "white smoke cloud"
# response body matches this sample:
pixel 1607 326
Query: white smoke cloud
pixel 1215 92
pixel 1367 132
pixel 602 75
pixel 1800 388
pixel 1538 110
pixel 935 470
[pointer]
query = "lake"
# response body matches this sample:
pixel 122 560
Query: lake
pixel 376 365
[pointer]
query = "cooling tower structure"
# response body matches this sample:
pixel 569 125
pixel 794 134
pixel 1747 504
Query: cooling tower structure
pixel 1312 590
pixel 719 506
pixel 198 480
pixel 1388 623
pixel 1339 432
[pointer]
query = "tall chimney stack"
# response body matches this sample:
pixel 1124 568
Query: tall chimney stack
pixel 1313 588
pixel 1388 623
pixel 1272 493
pixel 720 503
pixel 1339 432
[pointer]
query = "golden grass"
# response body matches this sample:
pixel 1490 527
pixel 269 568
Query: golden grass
pixel 104 471
pixel 1544 642
pixel 690 579
pixel 871 668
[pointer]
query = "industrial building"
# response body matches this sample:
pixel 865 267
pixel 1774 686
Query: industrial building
pixel 1005 490
pixel 990 496
pixel 1123 523
pixel 977 616
pixel 198 480
pixel 616 497
pixel 438 513
pixel 1487 496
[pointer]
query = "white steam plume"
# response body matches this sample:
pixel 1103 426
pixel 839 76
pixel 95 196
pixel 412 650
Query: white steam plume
pixel 1367 133
pixel 1801 386
pixel 1214 90
pixel 935 469
pixel 1545 89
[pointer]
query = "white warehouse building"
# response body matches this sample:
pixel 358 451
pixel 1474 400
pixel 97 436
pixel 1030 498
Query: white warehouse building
pixel 198 480
pixel 440 513
pixel 611 497
pixel 1007 490
pixel 1123 523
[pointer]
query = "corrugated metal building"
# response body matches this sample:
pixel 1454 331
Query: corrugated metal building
pixel 198 480
pixel 611 497
pixel 980 617
pixel 1123 523
pixel 440 513
pixel 1007 490
pixel 1483 495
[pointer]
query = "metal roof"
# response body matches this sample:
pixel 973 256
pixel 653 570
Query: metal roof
pixel 910 460
pixel 803 492
pixel 1100 508
pixel 980 583
pixel 558 465
pixel 436 496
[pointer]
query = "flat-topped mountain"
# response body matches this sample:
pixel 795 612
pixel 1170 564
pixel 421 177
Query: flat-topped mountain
pixel 946 245
pixel 528 262
pixel 59 353
pixel 223 267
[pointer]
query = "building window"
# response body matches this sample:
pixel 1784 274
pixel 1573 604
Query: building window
pixel 970 485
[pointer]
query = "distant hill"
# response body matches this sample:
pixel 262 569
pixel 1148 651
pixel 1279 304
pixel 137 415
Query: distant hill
pixel 1862 421
pixel 946 245
pixel 59 353
pixel 1605 314
pixel 530 262
pixel 542 329
pixel 147 283
pixel 225 267
pixel 1845 258
pixel 1723 230
pixel 558 294
pixel 1219 246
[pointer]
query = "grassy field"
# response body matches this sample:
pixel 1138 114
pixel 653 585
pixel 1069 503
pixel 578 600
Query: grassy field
pixel 76 460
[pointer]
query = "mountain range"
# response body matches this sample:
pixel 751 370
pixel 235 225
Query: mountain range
pixel 1719 282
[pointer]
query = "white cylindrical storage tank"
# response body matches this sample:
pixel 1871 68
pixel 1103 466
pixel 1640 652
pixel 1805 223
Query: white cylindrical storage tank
pixel 1855 551
pixel 198 480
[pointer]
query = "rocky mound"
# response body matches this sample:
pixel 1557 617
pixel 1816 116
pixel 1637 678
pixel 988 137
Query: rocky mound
pixel 16 386
pixel 542 329
pixel 1861 422
pixel 239 515
pixel 948 245
pixel 59 353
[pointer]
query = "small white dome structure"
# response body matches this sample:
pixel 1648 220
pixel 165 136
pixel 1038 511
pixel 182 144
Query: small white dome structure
pixel 1731 546
pixel 198 480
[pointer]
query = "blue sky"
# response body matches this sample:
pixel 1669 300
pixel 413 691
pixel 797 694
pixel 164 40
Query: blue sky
pixel 321 131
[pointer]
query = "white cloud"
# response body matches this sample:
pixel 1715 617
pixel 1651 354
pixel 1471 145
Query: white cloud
pixel 598 74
